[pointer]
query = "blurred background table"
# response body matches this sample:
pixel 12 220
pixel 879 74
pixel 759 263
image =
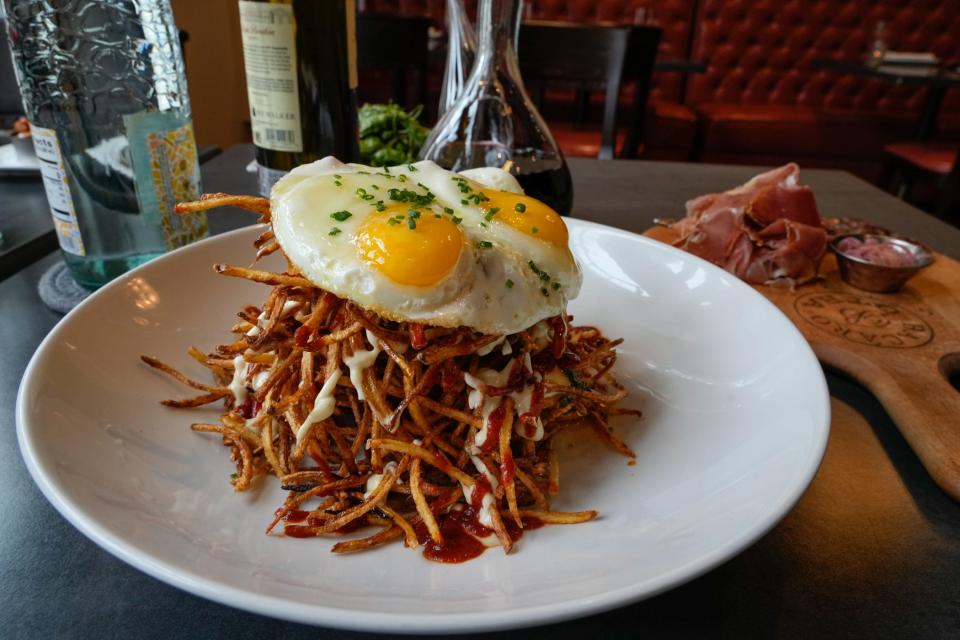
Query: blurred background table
pixel 936 79
pixel 872 549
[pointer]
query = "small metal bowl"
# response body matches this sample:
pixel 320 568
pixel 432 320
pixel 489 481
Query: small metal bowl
pixel 880 278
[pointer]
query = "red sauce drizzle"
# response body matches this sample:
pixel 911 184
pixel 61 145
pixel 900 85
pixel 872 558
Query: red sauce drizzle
pixel 443 464
pixel 460 529
pixel 418 339
pixel 458 545
pixel 249 408
pixel 293 516
pixel 481 487
pixel 536 404
pixel 450 375
pixel 494 426
pixel 559 326
pixel 531 522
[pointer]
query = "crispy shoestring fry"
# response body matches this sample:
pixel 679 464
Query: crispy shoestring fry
pixel 400 460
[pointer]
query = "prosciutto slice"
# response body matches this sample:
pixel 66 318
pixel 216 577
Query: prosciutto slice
pixel 766 231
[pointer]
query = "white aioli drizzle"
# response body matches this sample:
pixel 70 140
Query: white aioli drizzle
pixel 487 501
pixel 323 405
pixel 238 386
pixel 359 361
pixel 375 479
pixel 488 348
pixel 285 311
pixel 488 404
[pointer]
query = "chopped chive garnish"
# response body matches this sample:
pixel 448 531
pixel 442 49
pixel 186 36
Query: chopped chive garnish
pixel 485 244
pixel 447 210
pixel 556 286
pixel 534 230
pixel 412 223
pixel 392 221
pixel 402 178
pixel 464 201
pixel 334 231
pixel 380 206
pixel 337 176
pixel 456 220
pixel 509 283
pixel 574 380
pixel 337 183
pixel 411 168
pixel 412 197
pixel 340 216
pixel 492 212
pixel 376 186
pixel 519 207
pixel 544 291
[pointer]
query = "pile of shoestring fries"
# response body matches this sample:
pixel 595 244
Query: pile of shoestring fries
pixel 399 450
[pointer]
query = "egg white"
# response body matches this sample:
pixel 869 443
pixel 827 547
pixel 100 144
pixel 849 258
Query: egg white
pixel 474 293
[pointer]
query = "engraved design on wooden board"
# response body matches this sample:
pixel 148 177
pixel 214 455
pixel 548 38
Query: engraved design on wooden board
pixel 864 320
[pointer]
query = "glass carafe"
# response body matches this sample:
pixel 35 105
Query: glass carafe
pixel 493 123
pixel 461 51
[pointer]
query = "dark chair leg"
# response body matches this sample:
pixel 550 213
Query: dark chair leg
pixel 583 105
pixel 948 193
pixel 887 180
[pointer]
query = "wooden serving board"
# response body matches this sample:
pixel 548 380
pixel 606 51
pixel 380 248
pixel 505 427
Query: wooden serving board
pixel 901 346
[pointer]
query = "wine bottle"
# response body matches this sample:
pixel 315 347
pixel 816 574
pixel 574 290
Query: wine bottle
pixel 301 66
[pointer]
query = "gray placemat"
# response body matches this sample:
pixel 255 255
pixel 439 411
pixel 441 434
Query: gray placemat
pixel 59 291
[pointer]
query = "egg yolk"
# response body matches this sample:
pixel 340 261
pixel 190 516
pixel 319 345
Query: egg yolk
pixel 417 250
pixel 527 215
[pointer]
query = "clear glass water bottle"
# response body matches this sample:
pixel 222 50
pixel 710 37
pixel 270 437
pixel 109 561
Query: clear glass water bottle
pixel 493 122
pixel 461 49
pixel 104 89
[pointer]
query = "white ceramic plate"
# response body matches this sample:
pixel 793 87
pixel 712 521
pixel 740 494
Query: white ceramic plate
pixel 736 421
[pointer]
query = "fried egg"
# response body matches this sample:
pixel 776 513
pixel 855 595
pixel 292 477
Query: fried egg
pixel 417 243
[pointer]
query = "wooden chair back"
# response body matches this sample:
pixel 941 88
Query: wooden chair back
pixel 594 57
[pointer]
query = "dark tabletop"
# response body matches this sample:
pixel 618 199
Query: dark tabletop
pixel 871 551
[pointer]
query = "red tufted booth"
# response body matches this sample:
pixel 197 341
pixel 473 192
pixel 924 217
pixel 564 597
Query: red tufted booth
pixel 760 100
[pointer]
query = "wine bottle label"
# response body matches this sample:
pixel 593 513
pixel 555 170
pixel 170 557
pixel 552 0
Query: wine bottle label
pixel 270 59
pixel 163 155
pixel 56 183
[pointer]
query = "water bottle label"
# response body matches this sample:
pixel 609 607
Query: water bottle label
pixel 163 154
pixel 270 60
pixel 57 185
